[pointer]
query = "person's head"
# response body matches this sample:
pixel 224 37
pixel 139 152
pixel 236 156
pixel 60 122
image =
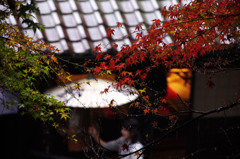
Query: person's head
pixel 130 130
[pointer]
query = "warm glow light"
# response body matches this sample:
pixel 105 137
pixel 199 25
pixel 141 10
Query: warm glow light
pixel 179 81
pixel 179 84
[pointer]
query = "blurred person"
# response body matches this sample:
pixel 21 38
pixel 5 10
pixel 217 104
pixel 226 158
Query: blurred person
pixel 129 141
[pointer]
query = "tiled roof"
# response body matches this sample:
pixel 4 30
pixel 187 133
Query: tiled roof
pixel 79 25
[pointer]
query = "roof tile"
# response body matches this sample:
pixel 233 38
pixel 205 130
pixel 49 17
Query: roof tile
pixel 30 33
pixel 39 34
pixel 146 6
pixel 94 33
pixel 149 17
pixel 78 47
pixel 183 2
pixel 114 4
pixel 134 4
pixel 139 17
pixel 56 18
pixel 85 44
pixel 64 7
pixel 51 34
pixel 73 34
pixel 155 4
pixel 117 34
pixel 132 32
pixel 110 19
pixel 119 16
pixel 94 4
pixel 167 3
pixel 58 45
pixel 60 31
pixel 77 17
pixel 98 17
pixel 69 20
pixel 167 40
pixel 64 45
pixel 102 30
pixel 81 31
pixel 44 8
pixel 131 19
pixel 103 43
pixel 124 31
pixel 126 6
pixel 12 20
pixel 107 43
pixel 47 20
pixel 85 6
pixel 80 25
pixel 73 4
pixel 119 43
pixel 90 20
pixel 105 6
pixel 51 5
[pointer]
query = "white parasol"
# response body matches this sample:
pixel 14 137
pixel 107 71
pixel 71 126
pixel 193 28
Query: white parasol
pixel 90 94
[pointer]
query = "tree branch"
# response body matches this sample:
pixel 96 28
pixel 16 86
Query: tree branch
pixel 219 109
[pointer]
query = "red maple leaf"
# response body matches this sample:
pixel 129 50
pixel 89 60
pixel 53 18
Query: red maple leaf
pixel 142 57
pixel 146 111
pixel 98 56
pixel 138 72
pixel 131 82
pixel 112 64
pixel 163 100
pixel 107 56
pixel 120 67
pixel 103 66
pixel 185 39
pixel 97 69
pixel 210 84
pixel 115 45
pixel 157 22
pixel 123 73
pixel 119 84
pixel 98 49
pixel 125 147
pixel 143 76
pixel 104 91
pixel 119 24
pixel 148 69
pixel 138 27
pixel 119 55
pixel 155 124
pixel 110 32
pixel 139 35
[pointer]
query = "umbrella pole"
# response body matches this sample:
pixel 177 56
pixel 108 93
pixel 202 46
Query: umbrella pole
pixel 91 117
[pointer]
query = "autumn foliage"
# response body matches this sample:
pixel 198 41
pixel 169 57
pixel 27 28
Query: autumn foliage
pixel 24 61
pixel 187 34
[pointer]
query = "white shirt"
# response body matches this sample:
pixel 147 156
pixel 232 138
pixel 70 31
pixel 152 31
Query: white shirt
pixel 117 145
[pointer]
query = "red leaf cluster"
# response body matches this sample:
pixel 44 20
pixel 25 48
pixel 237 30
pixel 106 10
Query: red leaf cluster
pixel 110 32
pixel 188 32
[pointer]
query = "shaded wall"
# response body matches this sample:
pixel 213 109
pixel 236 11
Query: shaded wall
pixel 226 89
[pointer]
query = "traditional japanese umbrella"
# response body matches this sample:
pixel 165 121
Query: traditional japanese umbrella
pixel 94 93
pixel 89 98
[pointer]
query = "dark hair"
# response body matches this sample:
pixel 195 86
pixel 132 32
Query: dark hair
pixel 132 125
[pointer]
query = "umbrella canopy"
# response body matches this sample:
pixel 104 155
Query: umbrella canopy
pixel 7 97
pixel 90 94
